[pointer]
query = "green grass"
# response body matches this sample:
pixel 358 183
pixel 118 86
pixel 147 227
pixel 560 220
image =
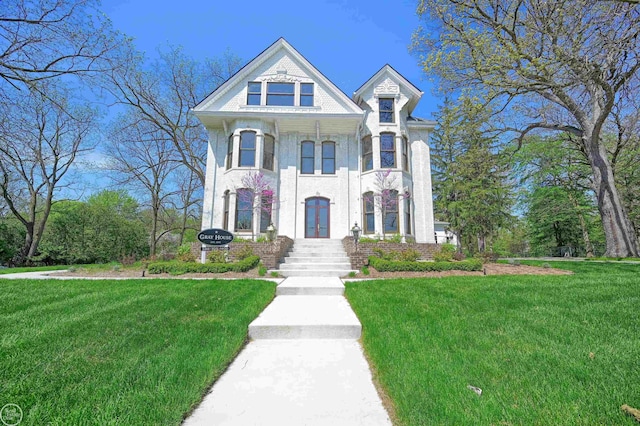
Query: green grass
pixel 5 271
pixel 130 352
pixel 524 340
pixel 89 267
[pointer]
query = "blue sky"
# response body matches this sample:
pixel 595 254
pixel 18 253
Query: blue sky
pixel 347 40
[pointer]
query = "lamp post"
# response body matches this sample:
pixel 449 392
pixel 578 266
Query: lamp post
pixel 271 234
pixel 356 233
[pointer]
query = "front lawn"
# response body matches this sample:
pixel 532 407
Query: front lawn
pixel 132 352
pixel 561 350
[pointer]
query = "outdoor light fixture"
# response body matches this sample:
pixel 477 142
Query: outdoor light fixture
pixel 271 232
pixel 356 233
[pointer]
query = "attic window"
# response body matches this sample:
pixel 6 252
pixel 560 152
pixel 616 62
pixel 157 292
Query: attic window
pixel 386 110
pixel 253 93
pixel 306 94
pixel 280 94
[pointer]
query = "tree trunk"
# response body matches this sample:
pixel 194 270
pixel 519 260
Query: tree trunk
pixel 619 234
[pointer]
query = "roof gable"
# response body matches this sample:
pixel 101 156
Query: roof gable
pixel 280 62
pixel 388 81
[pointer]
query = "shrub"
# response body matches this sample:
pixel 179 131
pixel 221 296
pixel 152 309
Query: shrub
pixel 275 274
pixel 395 238
pixel 445 254
pixel 244 252
pixel 352 274
pixel 217 256
pixel 262 239
pixel 409 255
pixel 458 256
pixel 487 257
pixel 368 240
pixel 365 270
pixel 262 270
pixel 179 268
pixel 184 253
pixel 397 266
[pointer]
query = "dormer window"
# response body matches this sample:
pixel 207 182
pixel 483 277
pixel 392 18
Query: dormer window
pixel 386 110
pixel 254 92
pixel 280 94
pixel 306 94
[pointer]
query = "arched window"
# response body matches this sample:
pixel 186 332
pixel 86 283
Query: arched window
pixel 225 214
pixel 367 154
pixel 328 158
pixel 369 220
pixel 307 157
pixel 247 149
pixel 244 209
pixel 266 206
pixel 267 152
pixel 387 150
pixel 230 152
pixel 390 211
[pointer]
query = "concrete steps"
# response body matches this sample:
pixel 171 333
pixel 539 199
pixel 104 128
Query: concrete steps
pixel 308 286
pixel 306 317
pixel 316 258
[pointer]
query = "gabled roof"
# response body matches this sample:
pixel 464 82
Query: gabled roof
pixel 414 93
pixel 280 44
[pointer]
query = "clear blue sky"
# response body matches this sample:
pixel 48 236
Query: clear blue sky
pixel 347 40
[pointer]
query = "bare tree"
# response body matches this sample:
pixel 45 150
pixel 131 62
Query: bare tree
pixel 386 198
pixel 43 39
pixel 40 139
pixel 256 192
pixel 163 93
pixel 143 158
pixel 557 65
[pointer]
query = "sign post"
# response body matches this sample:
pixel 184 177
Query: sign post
pixel 214 238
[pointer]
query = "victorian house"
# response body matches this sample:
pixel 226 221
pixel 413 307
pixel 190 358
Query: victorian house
pixel 321 153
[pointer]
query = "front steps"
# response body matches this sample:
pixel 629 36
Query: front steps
pixel 307 308
pixel 316 258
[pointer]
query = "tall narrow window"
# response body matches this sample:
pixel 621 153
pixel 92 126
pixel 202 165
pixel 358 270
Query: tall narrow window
pixel 307 157
pixel 253 93
pixel 280 94
pixel 247 149
pixel 306 94
pixel 387 150
pixel 230 152
pixel 266 206
pixel 328 158
pixel 267 152
pixel 244 209
pixel 386 110
pixel 405 153
pixel 367 154
pixel 407 216
pixel 391 212
pixel 369 214
pixel 225 213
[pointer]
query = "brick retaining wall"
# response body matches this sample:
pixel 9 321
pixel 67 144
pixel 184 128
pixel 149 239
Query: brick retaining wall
pixel 360 258
pixel 271 254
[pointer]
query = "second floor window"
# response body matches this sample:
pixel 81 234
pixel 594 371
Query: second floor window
pixel 281 94
pixel 387 150
pixel 328 158
pixel 307 157
pixel 405 154
pixel 230 152
pixel 386 110
pixel 247 149
pixel 367 154
pixel 254 89
pixel 267 152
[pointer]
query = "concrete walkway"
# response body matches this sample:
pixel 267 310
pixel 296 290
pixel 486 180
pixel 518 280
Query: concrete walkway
pixel 303 366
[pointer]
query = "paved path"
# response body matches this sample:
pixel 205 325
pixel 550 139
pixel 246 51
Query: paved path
pixel 302 368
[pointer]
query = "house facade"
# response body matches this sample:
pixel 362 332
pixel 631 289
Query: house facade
pixel 327 160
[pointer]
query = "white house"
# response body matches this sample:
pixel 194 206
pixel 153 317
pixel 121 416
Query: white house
pixel 318 149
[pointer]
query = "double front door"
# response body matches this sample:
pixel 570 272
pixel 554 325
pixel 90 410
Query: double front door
pixel 316 218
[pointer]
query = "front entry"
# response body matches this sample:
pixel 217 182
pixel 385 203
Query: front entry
pixel 316 218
